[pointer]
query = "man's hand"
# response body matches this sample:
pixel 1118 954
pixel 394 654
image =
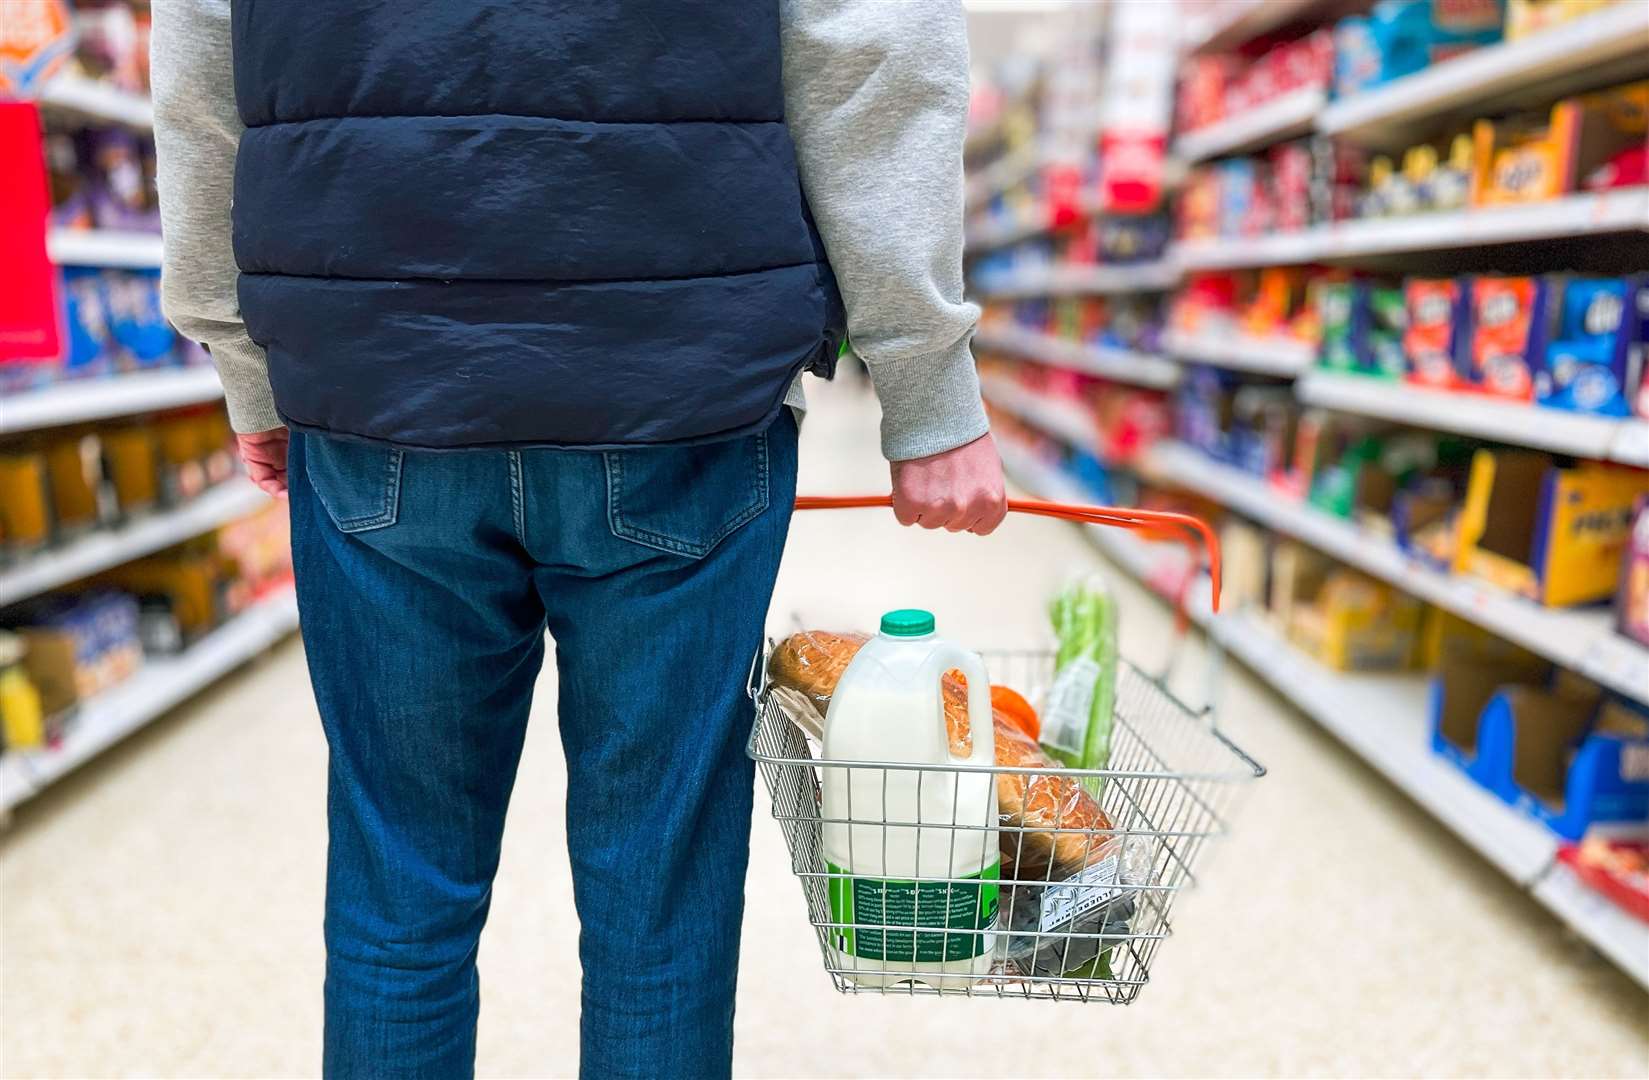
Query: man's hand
pixel 960 490
pixel 265 455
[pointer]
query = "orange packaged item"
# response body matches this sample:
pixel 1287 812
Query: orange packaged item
pixel 72 465
pixel 129 457
pixel 1531 157
pixel 1439 321
pixel 1503 314
pixel 1012 704
pixel 25 520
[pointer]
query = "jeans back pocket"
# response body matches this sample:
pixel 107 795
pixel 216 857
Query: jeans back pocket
pixel 359 483
pixel 686 499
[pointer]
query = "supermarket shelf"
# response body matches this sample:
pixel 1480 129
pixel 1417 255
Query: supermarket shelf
pixel 1632 445
pixel 1383 719
pixel 1609 929
pixel 1592 213
pixel 1119 365
pixel 1513 422
pixel 104 548
pixel 1581 640
pixel 1272 249
pixel 104 247
pixel 1228 24
pixel 1622 210
pixel 97 102
pixel 118 395
pixel 1068 280
pixel 1543 66
pixel 1240 352
pixel 1064 420
pixel 158 686
pixel 1281 118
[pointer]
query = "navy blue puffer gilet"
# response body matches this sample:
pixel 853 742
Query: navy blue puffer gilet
pixel 469 223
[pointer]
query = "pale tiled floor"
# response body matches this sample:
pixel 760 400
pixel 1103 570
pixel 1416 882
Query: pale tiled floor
pixel 161 910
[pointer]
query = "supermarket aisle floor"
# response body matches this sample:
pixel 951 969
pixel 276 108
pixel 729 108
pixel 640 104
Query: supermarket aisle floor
pixel 161 910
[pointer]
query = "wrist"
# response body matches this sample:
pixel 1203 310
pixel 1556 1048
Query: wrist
pixel 930 402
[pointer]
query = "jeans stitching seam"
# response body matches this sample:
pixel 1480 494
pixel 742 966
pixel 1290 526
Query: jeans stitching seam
pixel 517 497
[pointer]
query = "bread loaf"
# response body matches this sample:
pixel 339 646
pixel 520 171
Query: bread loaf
pixel 1042 802
pixel 812 661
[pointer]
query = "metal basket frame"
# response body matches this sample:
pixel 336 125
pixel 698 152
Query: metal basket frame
pixel 1169 780
pixel 1168 788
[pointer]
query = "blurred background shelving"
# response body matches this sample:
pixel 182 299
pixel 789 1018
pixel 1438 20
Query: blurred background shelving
pixel 137 565
pixel 1396 252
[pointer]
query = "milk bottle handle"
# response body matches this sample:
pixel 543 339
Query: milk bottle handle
pixel 946 656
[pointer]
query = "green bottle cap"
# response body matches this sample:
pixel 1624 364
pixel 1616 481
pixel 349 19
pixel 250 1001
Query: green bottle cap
pixel 907 622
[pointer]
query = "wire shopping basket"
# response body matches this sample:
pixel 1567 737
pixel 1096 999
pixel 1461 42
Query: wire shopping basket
pixel 1091 860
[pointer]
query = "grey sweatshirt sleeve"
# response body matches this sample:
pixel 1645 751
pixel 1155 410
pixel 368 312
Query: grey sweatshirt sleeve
pixel 197 132
pixel 876 96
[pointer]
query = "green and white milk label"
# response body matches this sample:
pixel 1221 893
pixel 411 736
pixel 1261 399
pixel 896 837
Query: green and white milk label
pixel 870 910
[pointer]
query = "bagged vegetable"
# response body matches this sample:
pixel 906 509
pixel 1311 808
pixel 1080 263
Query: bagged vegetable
pixel 1076 721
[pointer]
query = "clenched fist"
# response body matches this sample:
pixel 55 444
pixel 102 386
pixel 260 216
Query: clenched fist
pixel 265 455
pixel 961 490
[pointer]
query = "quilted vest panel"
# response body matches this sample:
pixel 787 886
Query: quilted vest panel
pixel 469 223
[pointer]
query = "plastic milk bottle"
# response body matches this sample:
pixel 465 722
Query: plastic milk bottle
pixel 908 846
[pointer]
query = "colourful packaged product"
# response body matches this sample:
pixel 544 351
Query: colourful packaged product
pixel 22 714
pixel 1139 238
pixel 1291 167
pixel 1204 407
pixel 1555 533
pixel 1596 351
pixel 1400 37
pixel 1437 339
pixel 1632 600
pixel 81 645
pixel 25 516
pixel 1438 182
pixel 1507 334
pixel 1532 157
pixel 1525 17
pixel 1381 350
pixel 1524 158
pixel 129 459
pixel 1238 179
pixel 136 321
pixel 72 468
pixel 1339 171
pixel 89 338
pixel 1362 328
pixel 1279 293
pixel 1335 304
pixel 1354 623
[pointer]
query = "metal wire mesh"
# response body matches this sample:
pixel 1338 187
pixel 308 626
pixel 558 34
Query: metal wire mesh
pixel 1080 907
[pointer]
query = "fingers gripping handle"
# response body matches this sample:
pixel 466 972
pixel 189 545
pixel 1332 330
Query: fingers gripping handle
pixel 1153 523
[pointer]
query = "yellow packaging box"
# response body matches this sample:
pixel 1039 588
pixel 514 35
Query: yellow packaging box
pixel 1550 532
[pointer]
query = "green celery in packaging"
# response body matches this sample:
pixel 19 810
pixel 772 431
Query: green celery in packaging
pixel 1076 721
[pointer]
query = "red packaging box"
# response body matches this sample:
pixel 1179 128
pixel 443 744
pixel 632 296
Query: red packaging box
pixel 1503 318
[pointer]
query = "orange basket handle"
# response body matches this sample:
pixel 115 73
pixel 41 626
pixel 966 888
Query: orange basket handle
pixel 1156 524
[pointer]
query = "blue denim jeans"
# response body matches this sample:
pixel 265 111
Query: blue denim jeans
pixel 426 582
